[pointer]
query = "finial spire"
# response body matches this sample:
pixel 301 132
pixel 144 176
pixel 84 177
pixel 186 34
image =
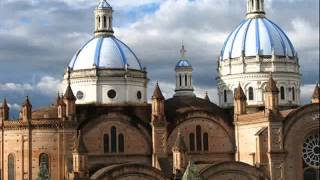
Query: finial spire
pixel 255 9
pixel 183 52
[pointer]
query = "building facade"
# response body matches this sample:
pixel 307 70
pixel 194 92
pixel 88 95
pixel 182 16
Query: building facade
pixel 103 127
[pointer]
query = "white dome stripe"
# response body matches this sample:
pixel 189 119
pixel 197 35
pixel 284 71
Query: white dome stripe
pixel 245 37
pixel 235 36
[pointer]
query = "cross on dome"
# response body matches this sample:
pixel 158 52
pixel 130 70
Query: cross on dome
pixel 183 52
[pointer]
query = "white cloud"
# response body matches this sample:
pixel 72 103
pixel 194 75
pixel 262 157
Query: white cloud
pixel 14 107
pixel 47 85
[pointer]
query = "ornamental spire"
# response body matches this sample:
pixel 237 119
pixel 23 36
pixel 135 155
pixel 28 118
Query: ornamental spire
pixel 255 9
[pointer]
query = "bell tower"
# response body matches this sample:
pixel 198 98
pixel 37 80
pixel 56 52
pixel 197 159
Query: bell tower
pixel 103 19
pixel 184 84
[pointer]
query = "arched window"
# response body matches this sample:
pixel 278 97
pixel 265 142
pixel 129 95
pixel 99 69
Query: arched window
pixel 191 142
pixel 185 80
pixel 225 96
pixel 104 22
pixel 199 139
pixel 106 143
pixel 180 80
pixel 44 160
pixel 293 94
pixel 99 21
pixel 121 142
pixel 251 95
pixel 11 167
pixel 113 139
pixel 205 142
pixel 282 95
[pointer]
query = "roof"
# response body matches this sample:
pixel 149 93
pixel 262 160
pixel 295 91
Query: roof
pixel 240 94
pixel 69 94
pixel 191 172
pixel 157 94
pixel 105 52
pixel 179 143
pixel 103 4
pixel 255 36
pixel 178 106
pixel 271 85
pixel 316 92
pixel 26 102
pixel 183 63
pixel 79 145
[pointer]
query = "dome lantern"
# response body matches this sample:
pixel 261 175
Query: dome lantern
pixel 255 8
pixel 103 19
pixel 184 85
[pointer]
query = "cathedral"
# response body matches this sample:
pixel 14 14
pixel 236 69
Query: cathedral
pixel 103 126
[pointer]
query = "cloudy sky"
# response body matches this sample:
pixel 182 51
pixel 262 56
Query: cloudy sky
pixel 39 37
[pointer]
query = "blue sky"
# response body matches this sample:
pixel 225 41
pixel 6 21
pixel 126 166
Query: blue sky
pixel 39 37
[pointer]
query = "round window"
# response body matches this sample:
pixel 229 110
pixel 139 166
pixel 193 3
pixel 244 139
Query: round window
pixel 112 93
pixel 80 95
pixel 139 95
pixel 311 151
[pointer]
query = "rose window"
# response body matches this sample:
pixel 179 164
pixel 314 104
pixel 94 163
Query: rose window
pixel 311 151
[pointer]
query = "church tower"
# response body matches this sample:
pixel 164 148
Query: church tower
pixel 159 127
pixel 103 21
pixel 4 110
pixel 184 85
pixel 179 155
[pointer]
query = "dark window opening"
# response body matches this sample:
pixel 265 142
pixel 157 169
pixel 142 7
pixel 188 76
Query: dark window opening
pixel 251 95
pixel 185 80
pixel 113 139
pixel 282 95
pixel 180 80
pixel 293 94
pixel 199 139
pixel 225 96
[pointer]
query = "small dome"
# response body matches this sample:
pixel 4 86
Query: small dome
pixel 105 52
pixel 103 4
pixel 257 36
pixel 183 63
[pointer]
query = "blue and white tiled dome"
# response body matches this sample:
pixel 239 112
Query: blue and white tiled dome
pixel 183 63
pixel 257 36
pixel 105 52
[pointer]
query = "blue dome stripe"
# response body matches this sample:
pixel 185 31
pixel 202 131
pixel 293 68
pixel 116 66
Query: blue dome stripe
pixel 235 38
pixel 123 57
pixel 290 44
pixel 245 37
pixel 281 38
pixel 269 34
pixel 225 43
pixel 257 36
pixel 97 53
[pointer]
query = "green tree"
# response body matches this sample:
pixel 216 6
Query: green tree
pixel 43 173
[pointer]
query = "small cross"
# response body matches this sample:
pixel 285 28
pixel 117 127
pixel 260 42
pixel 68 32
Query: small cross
pixel 183 52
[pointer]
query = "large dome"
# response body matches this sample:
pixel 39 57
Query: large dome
pixel 257 36
pixel 105 52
